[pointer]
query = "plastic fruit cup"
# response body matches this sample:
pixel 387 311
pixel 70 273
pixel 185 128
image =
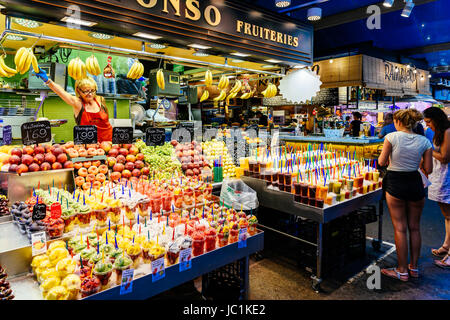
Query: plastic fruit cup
pixel 178 200
pixel 119 273
pixel 280 177
pixel 198 247
pixel 114 214
pixel 223 239
pixel 167 202
pixel 93 288
pixel 251 229
pixel 303 189
pixel 207 193
pixel 234 235
pixel 84 219
pixel 297 188
pixel 312 191
pixel 135 258
pixel 143 206
pixel 145 255
pixel 376 176
pixel 103 276
pixel 319 203
pixel 297 198
pixel 358 182
pixel 155 201
pixel 172 257
pixel 130 212
pixel 69 222
pixel 55 231
pixel 101 216
pixel 210 243
pixel 337 187
pixel 287 178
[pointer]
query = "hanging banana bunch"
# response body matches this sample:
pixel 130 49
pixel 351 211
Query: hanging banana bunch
pixel 204 96
pixel 208 78
pixel 232 95
pixel 77 69
pixel 6 71
pixel 222 96
pixel 24 58
pixel 92 66
pixel 271 91
pixel 160 79
pixel 237 87
pixel 136 71
pixel 224 82
pixel 247 95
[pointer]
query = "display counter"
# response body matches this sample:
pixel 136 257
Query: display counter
pixel 368 147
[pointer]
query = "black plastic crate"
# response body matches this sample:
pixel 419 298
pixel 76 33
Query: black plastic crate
pixel 225 283
pixel 369 213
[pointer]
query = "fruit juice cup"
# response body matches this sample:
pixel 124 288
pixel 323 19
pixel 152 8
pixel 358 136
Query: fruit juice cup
pixel 375 176
pixel 90 286
pixel 207 192
pixel 130 212
pixel 251 166
pixel 329 200
pixel 331 185
pixel 268 177
pixel 84 219
pixel 55 231
pixel 114 214
pixel 251 229
pixel 223 239
pixel 304 199
pixel 365 189
pixel 198 244
pixel 312 201
pixel 337 187
pixel 275 184
pixel 349 184
pixel 282 187
pixel 369 175
pixel 287 178
pixel 360 190
pixel 319 203
pixel 280 177
pixel 69 222
pixel 288 188
pixel 210 241
pixel 101 215
pixel 358 182
pixel 143 207
pixel 166 202
pixel 297 198
pixel 348 194
pixel 178 199
pixel 257 167
pixel 234 235
pixel 155 202
pixel 312 191
pixel 297 188
pixel 243 162
pixel 247 173
pixel 303 189
pixel 188 196
pixel 380 183
pixel 105 275
pixel 321 192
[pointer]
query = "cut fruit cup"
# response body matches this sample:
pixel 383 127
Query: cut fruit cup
pixel 114 214
pixel 223 239
pixel 84 219
pixel 130 212
pixel 252 229
pixel 143 206
pixel 69 222
pixel 101 216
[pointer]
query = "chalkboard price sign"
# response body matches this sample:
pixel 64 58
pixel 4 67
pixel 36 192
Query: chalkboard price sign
pixel 85 134
pixel 36 132
pixel 39 211
pixel 7 135
pixel 122 135
pixel 155 136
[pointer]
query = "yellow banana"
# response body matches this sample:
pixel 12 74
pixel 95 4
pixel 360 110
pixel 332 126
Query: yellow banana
pixel 227 82
pixel 141 70
pixel 246 95
pixel 89 67
pixel 222 96
pixel 94 65
pixel 18 56
pixel 132 71
pixel 26 61
pixel 9 71
pixel 3 73
pixel 237 86
pixel 70 68
pixel 78 71
pixel 204 96
pixel 160 79
pixel 274 90
pixel 208 78
pixel 221 83
pixel 98 70
pixel 35 64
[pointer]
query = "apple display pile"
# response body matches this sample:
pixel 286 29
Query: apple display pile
pixel 38 158
pixel 125 161
pixel 217 150
pixel 193 162
pixel 161 160
pixel 88 150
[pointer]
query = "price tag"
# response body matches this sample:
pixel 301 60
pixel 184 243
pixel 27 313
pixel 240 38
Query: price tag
pixel 155 136
pixel 242 243
pixel 36 132
pixel 38 243
pixel 185 259
pixel 158 269
pixel 85 134
pixel 55 210
pixel 39 211
pixel 7 135
pixel 122 135
pixel 126 285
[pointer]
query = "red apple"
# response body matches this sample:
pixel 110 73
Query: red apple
pixel 39 149
pixel 130 158
pixel 113 152
pixel 39 158
pixel 22 168
pixel 111 161
pixel 118 167
pixel 62 158
pixel 28 150
pixel 106 146
pixel 126 174
pixel 123 152
pixel 15 159
pixel 16 152
pixel 56 166
pixel 129 166
pixel 115 176
pixel 140 156
pixel 136 173
pixel 33 167
pixel 57 151
pixel 127 146
pixel 27 159
pixel 139 164
pixel 47 148
pixel 50 158
pixel 68 164
pixel 13 168
pixel 121 159
pixel 134 150
pixel 46 166
pixel 145 171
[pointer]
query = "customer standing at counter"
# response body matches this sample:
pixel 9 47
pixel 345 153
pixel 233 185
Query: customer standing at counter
pixel 88 108
pixel 388 125
pixel 439 190
pixel 403 150
pixel 355 125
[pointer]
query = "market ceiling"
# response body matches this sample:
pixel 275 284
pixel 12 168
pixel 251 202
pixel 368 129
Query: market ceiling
pixel 424 35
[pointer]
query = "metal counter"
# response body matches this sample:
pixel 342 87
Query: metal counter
pixel 340 140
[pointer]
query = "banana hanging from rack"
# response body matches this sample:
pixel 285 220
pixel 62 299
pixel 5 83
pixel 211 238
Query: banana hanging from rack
pixel 237 87
pixel 160 79
pixel 224 82
pixel 6 71
pixel 247 95
pixel 222 96
pixel 270 91
pixel 24 59
pixel 136 71
pixel 204 96
pixel 208 78
pixel 77 69
pixel 232 95
pixel 92 66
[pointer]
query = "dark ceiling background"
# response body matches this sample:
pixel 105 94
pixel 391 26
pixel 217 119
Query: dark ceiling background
pixel 424 36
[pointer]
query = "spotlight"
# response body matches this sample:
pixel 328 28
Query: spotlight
pixel 388 3
pixel 331 61
pixel 407 9
pixel 282 3
pixel 314 14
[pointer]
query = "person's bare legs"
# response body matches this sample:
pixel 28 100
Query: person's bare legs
pixel 445 209
pixel 414 212
pixel 397 209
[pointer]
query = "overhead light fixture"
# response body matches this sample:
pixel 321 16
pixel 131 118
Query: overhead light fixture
pixel 415 70
pixel 272 61
pixel 429 76
pixel 268 66
pixel 237 60
pixel 78 21
pixel 13 37
pixel 27 23
pixel 314 14
pixel 396 69
pixel 146 36
pixel 100 36
pixel 407 9
pixel 200 53
pixel 198 46
pixel 331 60
pixel 422 77
pixel 156 45
pixel 282 3
pixel 408 66
pixel 388 3
pixel 428 38
pixel 239 54
pixel 298 66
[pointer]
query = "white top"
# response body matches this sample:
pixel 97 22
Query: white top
pixel 440 181
pixel 407 150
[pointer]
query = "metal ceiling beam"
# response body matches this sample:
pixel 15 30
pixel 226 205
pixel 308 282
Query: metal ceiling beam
pixel 360 13
pixel 426 49
pixel 301 6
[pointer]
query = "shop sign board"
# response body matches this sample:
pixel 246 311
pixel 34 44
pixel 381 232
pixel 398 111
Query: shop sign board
pixel 36 132
pixel 85 134
pixel 122 135
pixel 155 136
